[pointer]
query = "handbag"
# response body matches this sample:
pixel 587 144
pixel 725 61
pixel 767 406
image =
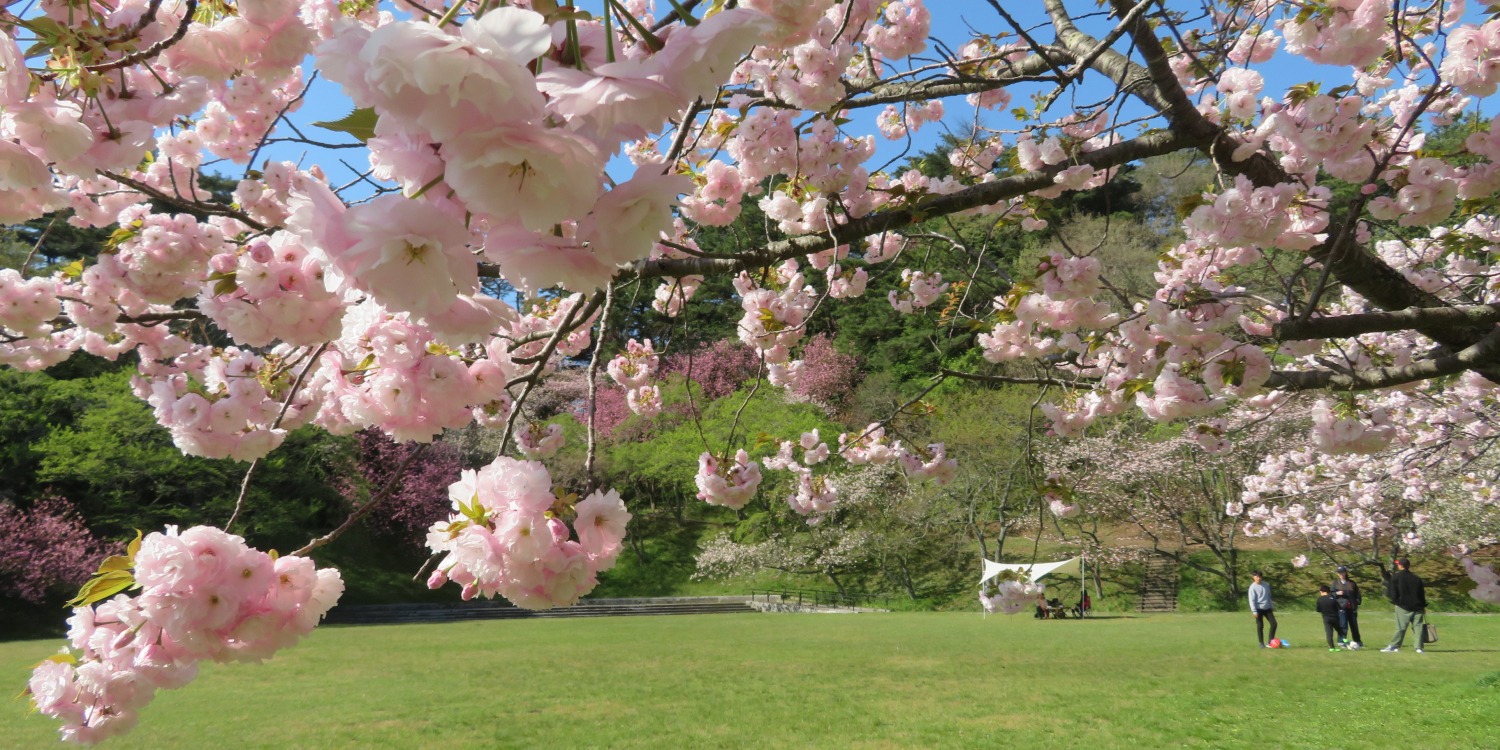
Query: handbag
pixel 1429 633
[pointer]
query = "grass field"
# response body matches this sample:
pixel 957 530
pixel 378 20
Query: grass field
pixel 837 681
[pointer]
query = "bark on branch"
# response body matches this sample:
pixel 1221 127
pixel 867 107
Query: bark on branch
pixel 1411 318
pixel 1351 264
pixel 1485 352
pixel 986 194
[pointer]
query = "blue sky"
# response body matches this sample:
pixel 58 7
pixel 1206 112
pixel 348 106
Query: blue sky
pixel 953 22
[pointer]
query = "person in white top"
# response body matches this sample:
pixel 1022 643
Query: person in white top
pixel 1262 607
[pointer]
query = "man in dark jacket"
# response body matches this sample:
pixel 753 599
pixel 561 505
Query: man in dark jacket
pixel 1346 593
pixel 1406 591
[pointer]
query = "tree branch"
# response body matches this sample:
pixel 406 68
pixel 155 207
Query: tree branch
pixel 1411 318
pixel 1350 263
pixel 985 194
pixel 1030 68
pixel 155 49
pixel 364 510
pixel 212 209
pixel 1485 352
pixel 1008 379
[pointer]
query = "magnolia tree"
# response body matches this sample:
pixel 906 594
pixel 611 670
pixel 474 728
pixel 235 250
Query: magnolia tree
pixel 571 150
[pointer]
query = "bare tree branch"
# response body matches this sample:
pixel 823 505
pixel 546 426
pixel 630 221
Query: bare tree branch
pixel 1346 326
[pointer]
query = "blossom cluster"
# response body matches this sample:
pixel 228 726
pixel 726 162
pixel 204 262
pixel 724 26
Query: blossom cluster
pixel 818 493
pixel 1009 597
pixel 727 483
pixel 508 536
pixel 1486 581
pixel 633 370
pixel 204 595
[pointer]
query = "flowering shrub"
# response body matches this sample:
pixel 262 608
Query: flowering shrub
pixel 420 497
pixel 45 548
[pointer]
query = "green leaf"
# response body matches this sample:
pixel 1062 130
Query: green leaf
pixel 102 587
pixel 360 123
pixel 62 657
pixel 114 564
pixel 476 512
pixel 554 12
pixel 134 546
pixel 44 27
pixel 119 236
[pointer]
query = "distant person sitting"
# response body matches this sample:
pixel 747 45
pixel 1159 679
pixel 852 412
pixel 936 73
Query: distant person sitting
pixel 1084 605
pixel 1329 608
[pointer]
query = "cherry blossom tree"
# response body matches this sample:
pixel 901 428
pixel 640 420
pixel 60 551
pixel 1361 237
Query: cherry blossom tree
pixel 577 152
pixel 1181 494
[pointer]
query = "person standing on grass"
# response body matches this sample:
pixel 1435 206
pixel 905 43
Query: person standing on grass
pixel 1346 593
pixel 1329 608
pixel 1409 594
pixel 1261 607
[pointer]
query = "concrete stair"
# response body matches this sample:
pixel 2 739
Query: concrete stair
pixel 393 614
pixel 1158 591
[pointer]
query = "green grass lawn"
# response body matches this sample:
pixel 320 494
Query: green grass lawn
pixel 839 681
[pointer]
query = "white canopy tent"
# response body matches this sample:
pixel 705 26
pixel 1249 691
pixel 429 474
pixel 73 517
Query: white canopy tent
pixel 1036 571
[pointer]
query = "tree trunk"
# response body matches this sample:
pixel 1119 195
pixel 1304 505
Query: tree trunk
pixel 906 582
pixel 832 576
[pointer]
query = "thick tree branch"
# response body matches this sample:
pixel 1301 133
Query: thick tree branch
pixel 1486 352
pixel 1029 68
pixel 1347 261
pixel 1411 318
pixel 161 317
pixel 914 212
pixel 1130 77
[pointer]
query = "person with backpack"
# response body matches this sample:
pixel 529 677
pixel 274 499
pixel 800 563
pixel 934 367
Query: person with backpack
pixel 1330 609
pixel 1409 594
pixel 1262 607
pixel 1346 593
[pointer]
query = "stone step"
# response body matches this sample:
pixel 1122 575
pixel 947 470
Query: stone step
pixel 1158 589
